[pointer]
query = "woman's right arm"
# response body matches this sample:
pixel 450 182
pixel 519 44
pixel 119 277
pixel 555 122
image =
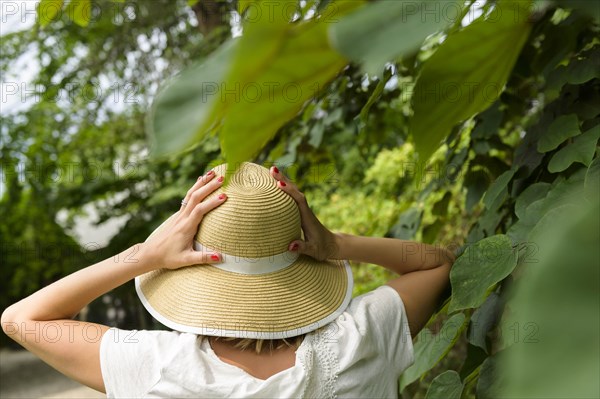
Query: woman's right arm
pixel 399 256
pixel 424 269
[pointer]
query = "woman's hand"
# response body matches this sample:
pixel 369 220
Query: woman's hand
pixel 319 242
pixel 170 246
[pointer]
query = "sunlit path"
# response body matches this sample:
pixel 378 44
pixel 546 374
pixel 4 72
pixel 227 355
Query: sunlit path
pixel 23 375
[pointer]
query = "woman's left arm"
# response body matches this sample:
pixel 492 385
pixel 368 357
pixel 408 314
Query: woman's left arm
pixel 42 323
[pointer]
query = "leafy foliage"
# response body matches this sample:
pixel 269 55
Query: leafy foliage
pixel 471 283
pixel 533 370
pixel 372 141
pixel 466 74
pixel 430 348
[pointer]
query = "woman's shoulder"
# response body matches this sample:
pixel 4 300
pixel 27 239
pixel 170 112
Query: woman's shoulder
pixel 378 305
pixel 368 318
pixel 142 340
pixel 362 344
pixel 374 325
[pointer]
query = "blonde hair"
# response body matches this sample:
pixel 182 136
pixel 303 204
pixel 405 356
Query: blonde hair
pixel 260 345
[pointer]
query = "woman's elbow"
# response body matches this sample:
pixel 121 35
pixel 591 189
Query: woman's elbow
pixel 8 321
pixel 11 321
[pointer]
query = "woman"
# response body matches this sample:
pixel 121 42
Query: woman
pixel 262 311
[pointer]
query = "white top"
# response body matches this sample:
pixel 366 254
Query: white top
pixel 360 354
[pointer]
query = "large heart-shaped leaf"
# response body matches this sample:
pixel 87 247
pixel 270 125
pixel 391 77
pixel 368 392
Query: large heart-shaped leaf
pixel 480 267
pixel 384 30
pixel 251 86
pixel 278 67
pixel 466 74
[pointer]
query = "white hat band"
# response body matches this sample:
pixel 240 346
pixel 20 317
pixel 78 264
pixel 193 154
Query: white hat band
pixel 244 265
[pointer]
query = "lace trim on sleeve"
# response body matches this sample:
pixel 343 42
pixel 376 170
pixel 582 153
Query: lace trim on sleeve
pixel 321 365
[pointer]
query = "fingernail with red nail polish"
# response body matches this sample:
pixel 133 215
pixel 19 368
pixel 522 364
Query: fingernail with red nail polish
pixel 210 172
pixel 275 169
pixel 294 247
pixel 222 196
pixel 215 257
pixel 282 184
pixel 220 179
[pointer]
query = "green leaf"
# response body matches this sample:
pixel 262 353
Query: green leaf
pixel 316 134
pixel 476 182
pixel 562 192
pixel 430 349
pixel 531 194
pixel 497 188
pixel 189 105
pixel 407 224
pixel 554 305
pixel 267 62
pixel 192 3
pixel 440 208
pixel 486 225
pixel 562 128
pixel 478 269
pixel 374 97
pixel 582 70
pixel 80 12
pixel 445 386
pixel 491 379
pixel 581 150
pixel 248 88
pixel 488 122
pixel 592 181
pixel 48 10
pixel 466 75
pixel 550 219
pixel 364 36
pixel 430 232
pixel 483 320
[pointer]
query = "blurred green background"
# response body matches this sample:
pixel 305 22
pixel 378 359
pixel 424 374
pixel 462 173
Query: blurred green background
pixel 473 125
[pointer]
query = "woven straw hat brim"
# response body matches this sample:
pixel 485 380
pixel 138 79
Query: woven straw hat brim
pixel 260 289
pixel 203 299
pixel 206 300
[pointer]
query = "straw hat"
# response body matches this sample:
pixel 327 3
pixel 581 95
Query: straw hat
pixel 260 290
